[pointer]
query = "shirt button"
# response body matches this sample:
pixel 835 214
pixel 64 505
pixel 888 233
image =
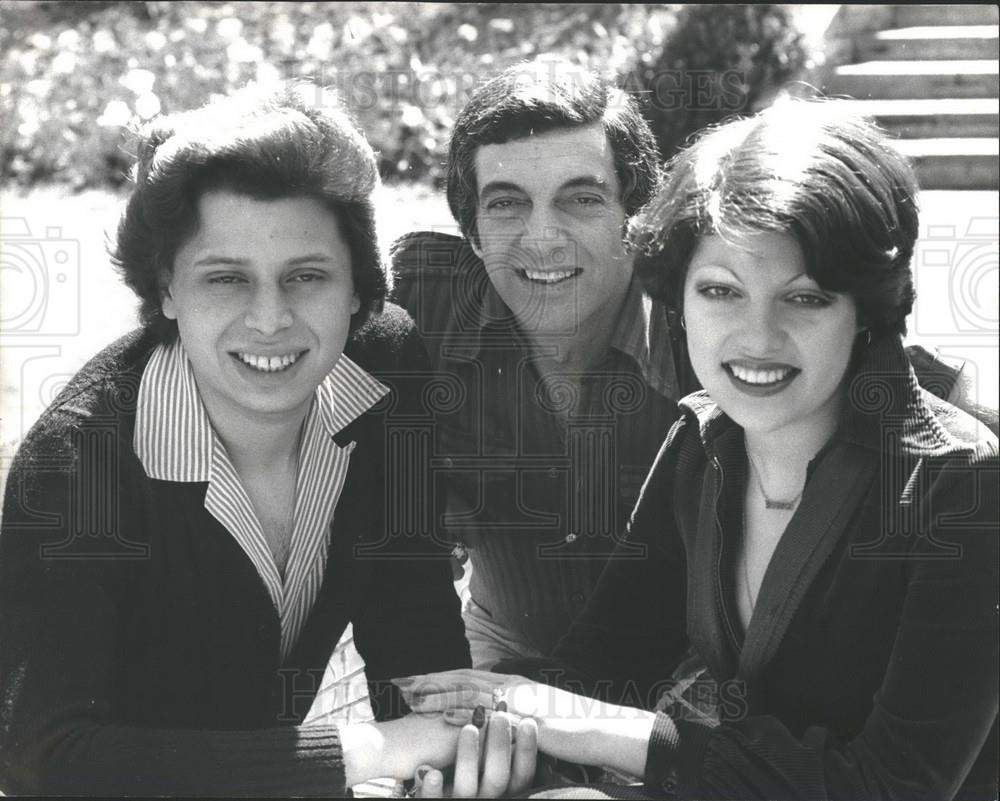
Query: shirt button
pixel 578 598
pixel 553 473
pixel 571 537
pixel 448 462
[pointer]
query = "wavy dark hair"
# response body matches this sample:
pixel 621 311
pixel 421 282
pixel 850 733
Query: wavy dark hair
pixel 269 144
pixel 538 97
pixel 808 168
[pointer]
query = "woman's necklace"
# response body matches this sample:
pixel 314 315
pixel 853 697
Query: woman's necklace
pixel 771 503
pixel 751 601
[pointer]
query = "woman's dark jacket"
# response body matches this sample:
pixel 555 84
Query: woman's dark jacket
pixel 869 667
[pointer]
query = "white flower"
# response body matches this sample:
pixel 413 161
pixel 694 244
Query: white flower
pixel 115 114
pixel 147 105
pixel 321 41
pixel 39 87
pixel 64 63
pixel 155 40
pixel 357 29
pixel 103 41
pixel 412 116
pixel 68 40
pixel 138 81
pixel 229 28
pixel 243 52
pixel 468 32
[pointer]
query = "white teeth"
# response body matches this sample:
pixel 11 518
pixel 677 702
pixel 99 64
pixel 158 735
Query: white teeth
pixel 760 376
pixel 268 364
pixel 549 277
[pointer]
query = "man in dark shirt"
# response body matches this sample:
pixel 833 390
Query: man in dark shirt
pixel 557 377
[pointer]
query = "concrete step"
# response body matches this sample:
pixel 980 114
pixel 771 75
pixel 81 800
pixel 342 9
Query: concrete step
pixel 947 42
pixel 919 119
pixel 950 172
pixel 915 79
pixel 908 16
pixel 954 163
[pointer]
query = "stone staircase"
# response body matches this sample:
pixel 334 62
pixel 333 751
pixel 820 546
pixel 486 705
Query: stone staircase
pixel 929 74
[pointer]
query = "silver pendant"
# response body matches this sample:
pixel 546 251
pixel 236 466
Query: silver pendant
pixel 784 506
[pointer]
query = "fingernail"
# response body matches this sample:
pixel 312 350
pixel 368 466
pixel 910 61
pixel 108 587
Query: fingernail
pixel 479 717
pixel 422 772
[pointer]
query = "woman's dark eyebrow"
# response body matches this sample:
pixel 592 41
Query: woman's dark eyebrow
pixel 312 258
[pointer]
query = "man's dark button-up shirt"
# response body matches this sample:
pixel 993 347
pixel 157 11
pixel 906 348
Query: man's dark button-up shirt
pixel 536 478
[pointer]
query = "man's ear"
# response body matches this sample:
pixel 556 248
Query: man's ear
pixel 167 303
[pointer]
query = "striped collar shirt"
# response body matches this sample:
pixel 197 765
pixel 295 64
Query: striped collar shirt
pixel 175 441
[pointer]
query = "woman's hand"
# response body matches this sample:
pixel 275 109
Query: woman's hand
pixel 395 748
pixel 570 727
pixel 500 758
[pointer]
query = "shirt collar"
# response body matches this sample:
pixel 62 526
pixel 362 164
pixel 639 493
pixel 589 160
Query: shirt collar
pixel 174 439
pixel 641 332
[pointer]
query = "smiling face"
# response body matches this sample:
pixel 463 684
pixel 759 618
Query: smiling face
pixel 550 222
pixel 767 343
pixel 263 295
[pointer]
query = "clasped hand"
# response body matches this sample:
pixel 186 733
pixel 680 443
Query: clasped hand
pixel 562 717
pixel 496 755
pixel 573 728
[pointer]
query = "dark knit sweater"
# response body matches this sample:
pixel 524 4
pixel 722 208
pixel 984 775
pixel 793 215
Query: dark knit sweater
pixel 139 648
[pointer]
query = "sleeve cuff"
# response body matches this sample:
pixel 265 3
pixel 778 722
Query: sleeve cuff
pixel 675 754
pixel 689 756
pixel 661 759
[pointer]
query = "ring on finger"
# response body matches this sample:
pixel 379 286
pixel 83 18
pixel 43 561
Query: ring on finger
pixel 499 699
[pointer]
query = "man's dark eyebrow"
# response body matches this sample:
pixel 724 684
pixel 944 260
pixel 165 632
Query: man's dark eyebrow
pixel 581 182
pixel 588 182
pixel 224 261
pixel 501 186
pixel 230 261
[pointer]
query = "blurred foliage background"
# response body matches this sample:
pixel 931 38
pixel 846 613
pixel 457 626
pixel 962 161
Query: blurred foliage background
pixel 75 75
